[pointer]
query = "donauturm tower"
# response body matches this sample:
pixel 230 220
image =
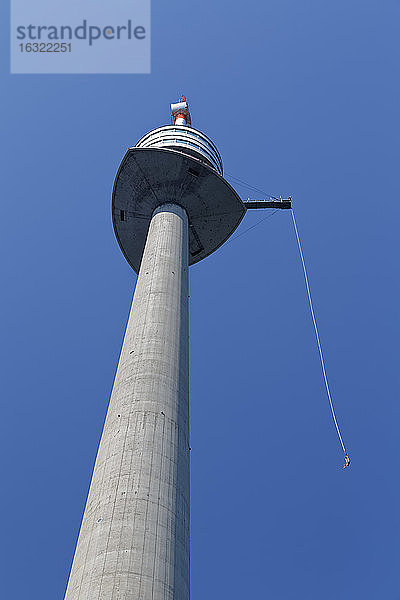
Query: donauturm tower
pixel 171 208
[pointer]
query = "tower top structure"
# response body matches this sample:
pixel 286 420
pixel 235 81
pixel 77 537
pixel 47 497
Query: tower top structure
pixel 180 112
pixel 179 164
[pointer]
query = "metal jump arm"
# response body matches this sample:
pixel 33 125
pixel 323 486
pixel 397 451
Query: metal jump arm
pixel 284 203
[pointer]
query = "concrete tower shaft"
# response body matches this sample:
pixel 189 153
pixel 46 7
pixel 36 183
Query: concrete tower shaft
pixel 134 539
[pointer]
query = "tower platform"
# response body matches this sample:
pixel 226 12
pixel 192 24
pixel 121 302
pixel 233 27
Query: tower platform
pixel 156 174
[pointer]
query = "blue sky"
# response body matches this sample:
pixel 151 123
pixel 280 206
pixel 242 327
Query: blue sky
pixel 301 98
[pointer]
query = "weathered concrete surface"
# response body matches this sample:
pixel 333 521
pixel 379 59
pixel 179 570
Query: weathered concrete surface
pixel 134 539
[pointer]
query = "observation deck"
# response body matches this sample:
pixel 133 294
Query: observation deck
pixel 186 140
pixel 180 165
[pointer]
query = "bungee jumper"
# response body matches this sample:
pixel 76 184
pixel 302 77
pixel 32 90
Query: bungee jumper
pixel 346 461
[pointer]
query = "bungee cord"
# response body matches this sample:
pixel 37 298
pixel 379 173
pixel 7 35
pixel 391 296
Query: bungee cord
pixel 321 355
pixel 244 184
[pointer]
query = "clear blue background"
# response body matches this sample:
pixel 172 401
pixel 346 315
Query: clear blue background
pixel 301 98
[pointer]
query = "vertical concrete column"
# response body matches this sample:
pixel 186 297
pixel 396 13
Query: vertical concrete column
pixel 134 538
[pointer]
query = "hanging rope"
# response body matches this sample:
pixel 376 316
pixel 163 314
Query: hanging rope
pixel 251 227
pixel 248 186
pixel 321 356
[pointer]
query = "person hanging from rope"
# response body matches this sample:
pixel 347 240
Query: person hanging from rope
pixel 346 461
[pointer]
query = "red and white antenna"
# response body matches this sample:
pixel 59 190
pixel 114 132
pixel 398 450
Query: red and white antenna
pixel 180 112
